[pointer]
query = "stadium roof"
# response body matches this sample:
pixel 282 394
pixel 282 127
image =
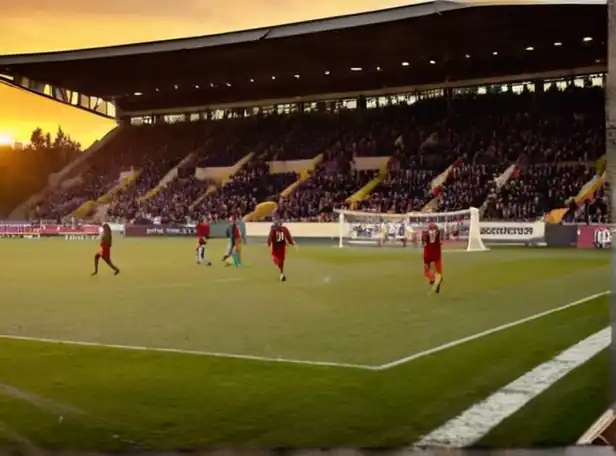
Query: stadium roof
pixel 437 41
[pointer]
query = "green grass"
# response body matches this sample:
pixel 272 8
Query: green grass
pixel 366 307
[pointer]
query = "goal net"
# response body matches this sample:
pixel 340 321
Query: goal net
pixel 459 230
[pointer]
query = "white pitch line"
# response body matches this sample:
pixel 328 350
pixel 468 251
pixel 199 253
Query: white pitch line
pixel 477 421
pixel 488 332
pixel 40 402
pixel 188 352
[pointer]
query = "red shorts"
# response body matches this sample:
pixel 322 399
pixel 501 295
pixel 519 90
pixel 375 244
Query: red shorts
pixel 438 265
pixel 105 252
pixel 431 256
pixel 278 257
pixel 201 241
pixel 431 259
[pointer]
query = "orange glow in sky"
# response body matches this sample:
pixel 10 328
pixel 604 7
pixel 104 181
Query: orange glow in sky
pixel 40 25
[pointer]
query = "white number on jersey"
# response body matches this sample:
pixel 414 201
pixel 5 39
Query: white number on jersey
pixel 432 235
pixel 280 238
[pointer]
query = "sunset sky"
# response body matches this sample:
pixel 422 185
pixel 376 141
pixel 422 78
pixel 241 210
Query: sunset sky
pixel 28 26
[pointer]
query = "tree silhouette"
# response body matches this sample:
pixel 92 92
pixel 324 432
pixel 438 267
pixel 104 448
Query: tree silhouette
pixel 37 139
pixel 60 139
pixel 25 169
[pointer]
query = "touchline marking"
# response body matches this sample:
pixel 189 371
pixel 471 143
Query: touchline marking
pixel 488 332
pixel 477 421
pixel 189 352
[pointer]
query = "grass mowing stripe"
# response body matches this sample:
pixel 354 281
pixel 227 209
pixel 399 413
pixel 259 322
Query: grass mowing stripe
pixel 162 400
pixel 488 332
pixel 477 421
pixel 16 438
pixel 390 365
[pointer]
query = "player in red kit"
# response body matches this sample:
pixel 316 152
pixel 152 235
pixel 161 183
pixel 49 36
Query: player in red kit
pixel 203 234
pixel 105 251
pixel 278 239
pixel 432 257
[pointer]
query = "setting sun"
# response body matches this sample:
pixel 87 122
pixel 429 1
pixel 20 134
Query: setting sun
pixel 6 140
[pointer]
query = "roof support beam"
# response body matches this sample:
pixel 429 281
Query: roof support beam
pixel 94 105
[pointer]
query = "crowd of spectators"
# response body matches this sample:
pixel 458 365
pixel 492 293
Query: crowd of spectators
pixel 252 185
pixel 552 136
pixel 537 190
pixel 317 198
pixel 149 150
pixel 595 210
pixel 171 204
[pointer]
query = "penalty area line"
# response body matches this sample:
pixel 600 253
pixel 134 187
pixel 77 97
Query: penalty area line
pixel 488 332
pixel 179 351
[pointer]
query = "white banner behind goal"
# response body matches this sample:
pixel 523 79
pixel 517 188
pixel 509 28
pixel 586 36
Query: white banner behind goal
pixel 459 230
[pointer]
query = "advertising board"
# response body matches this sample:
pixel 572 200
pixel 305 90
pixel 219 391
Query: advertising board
pixel 594 236
pixel 532 233
pixel 217 230
pixel 491 232
pixel 559 235
pixel 512 232
pixel 33 231
pixel 159 231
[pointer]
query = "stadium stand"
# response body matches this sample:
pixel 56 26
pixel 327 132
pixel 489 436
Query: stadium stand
pixel 550 137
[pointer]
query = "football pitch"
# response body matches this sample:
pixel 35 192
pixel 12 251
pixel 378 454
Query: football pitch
pixel 351 351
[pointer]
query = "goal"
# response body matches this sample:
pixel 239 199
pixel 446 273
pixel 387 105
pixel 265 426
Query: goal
pixel 460 229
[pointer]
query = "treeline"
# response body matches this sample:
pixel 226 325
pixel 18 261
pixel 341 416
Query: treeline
pixel 24 168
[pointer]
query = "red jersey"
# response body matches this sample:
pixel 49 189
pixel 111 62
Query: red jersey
pixel 237 235
pixel 105 249
pixel 203 231
pixel 279 238
pixel 432 243
pixel 105 240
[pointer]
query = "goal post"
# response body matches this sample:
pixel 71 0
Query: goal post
pixel 460 229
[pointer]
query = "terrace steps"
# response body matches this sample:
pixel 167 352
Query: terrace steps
pixel 171 175
pixel 367 189
pixel 303 176
pixel 223 179
pixel 90 206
